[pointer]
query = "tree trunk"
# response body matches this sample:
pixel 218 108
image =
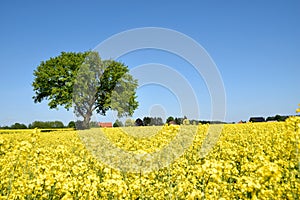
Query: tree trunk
pixel 86 120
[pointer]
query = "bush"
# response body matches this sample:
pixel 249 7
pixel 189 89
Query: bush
pixel 118 123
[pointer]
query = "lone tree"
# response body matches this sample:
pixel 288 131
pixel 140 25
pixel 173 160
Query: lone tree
pixel 118 123
pixel 169 119
pixel 86 82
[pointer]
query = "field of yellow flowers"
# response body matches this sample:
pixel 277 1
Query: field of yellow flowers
pixel 247 161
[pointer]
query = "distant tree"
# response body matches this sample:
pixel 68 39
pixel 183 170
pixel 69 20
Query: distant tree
pixel 178 120
pixel 169 119
pixel 277 118
pixel 270 119
pixel 88 83
pixel 129 122
pixel 48 124
pixel 280 118
pixel 284 118
pixel 118 123
pixel 5 127
pixel 186 122
pixel 147 121
pixel 38 124
pixel 71 124
pixel 18 126
pixel 56 124
pixel 139 122
pixel 157 121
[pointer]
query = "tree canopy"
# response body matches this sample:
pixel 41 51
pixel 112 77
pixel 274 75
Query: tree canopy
pixel 169 119
pixel 86 82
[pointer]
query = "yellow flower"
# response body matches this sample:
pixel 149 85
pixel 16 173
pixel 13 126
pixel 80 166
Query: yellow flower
pixel 253 160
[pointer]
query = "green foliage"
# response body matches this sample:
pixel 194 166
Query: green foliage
pixel 281 118
pixel 178 120
pixel 129 122
pixel 88 82
pixel 118 123
pixel 147 121
pixel 54 79
pixel 153 121
pixel 123 96
pixel 48 124
pixel 18 126
pixel 186 122
pixel 169 119
pixel 71 124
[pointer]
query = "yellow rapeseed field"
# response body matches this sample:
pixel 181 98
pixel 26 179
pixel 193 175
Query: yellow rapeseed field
pixel 248 161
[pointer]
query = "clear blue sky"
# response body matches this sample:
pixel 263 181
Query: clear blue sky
pixel 255 45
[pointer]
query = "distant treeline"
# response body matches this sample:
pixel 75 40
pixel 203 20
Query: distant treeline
pixel 278 118
pixel 146 121
pixel 185 120
pixel 47 125
pixel 157 121
pixel 40 124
